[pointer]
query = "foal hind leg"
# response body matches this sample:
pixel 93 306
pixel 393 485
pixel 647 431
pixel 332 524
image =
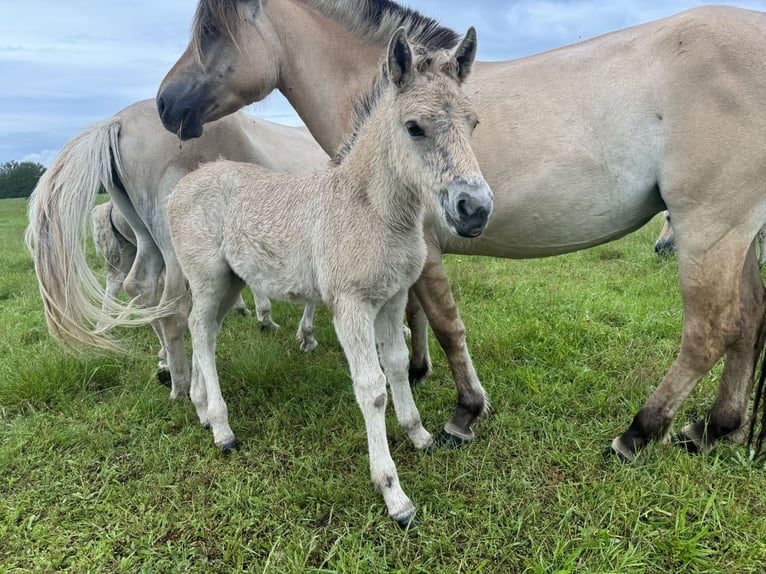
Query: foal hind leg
pixel 241 307
pixel 263 312
pixel 392 350
pixel 433 292
pixel 420 360
pixel 710 288
pixel 305 334
pixel 728 417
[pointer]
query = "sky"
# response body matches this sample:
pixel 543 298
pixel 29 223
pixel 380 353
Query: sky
pixel 67 64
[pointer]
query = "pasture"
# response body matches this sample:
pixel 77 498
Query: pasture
pixel 101 472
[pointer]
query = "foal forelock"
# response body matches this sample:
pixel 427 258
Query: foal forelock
pixel 425 61
pixel 377 20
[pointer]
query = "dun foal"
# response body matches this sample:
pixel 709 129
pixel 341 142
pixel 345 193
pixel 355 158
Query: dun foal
pixel 350 237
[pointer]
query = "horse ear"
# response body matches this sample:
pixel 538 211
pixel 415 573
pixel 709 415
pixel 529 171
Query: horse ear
pixel 400 68
pixel 465 54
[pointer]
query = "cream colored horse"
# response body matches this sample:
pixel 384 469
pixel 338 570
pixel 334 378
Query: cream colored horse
pixel 581 145
pixel 350 237
pixel 138 163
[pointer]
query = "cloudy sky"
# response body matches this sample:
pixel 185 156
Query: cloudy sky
pixel 67 64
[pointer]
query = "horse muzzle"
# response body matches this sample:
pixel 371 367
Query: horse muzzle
pixel 467 205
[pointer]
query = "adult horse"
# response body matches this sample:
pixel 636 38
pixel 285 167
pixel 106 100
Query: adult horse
pixel 581 145
pixel 138 163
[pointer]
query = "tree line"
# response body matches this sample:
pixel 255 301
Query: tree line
pixel 18 179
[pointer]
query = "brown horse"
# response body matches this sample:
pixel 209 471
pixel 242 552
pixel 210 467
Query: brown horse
pixel 581 145
pixel 350 236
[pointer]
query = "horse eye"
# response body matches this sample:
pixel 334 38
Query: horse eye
pixel 415 131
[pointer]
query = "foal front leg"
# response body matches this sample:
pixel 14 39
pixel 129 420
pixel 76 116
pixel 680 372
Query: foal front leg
pixel 305 334
pixel 392 350
pixel 433 292
pixel 354 325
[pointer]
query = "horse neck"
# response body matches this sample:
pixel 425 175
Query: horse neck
pixel 324 67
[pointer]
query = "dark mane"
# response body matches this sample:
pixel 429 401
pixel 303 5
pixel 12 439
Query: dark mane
pixel 425 61
pixel 377 20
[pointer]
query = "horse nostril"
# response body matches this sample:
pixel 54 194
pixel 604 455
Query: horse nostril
pixel 462 208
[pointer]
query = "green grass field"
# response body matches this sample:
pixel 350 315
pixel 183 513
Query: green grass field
pixel 101 472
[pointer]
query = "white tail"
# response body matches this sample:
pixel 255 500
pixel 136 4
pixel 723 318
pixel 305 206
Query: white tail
pixel 59 209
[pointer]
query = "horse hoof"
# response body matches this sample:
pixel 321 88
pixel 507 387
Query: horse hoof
pixel 230 447
pixel 417 374
pixel 163 377
pixel 687 444
pixel 610 453
pixel 447 440
pixel 407 522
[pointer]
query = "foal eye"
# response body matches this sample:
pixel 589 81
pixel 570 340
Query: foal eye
pixel 415 131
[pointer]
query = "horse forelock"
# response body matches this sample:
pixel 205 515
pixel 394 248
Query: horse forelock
pixel 219 18
pixel 426 62
pixel 377 20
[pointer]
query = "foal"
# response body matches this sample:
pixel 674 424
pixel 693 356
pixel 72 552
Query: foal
pixel 350 237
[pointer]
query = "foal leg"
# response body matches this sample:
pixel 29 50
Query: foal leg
pixel 241 307
pixel 728 417
pixel 175 297
pixel 305 334
pixel 392 350
pixel 263 312
pixel 420 361
pixel 354 326
pixel 710 288
pixel 433 291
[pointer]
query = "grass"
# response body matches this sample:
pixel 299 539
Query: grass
pixel 100 472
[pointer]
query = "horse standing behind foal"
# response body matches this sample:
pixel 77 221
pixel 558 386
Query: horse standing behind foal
pixel 350 237
pixel 138 162
pixel 581 145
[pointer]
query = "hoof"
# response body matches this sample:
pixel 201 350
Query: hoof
pixel 447 440
pixel 230 447
pixel 268 326
pixel 163 377
pixel 609 453
pixel 618 451
pixel 417 374
pixel 407 522
pixel 308 346
pixel 686 443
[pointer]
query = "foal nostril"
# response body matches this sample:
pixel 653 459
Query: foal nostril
pixel 462 209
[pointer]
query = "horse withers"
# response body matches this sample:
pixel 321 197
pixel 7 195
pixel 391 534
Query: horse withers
pixel 350 237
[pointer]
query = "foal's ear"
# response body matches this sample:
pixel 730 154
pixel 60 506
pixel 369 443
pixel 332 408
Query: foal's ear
pixel 465 54
pixel 400 68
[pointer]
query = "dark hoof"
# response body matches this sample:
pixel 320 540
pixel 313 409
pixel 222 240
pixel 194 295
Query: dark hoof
pixel 408 521
pixel 230 447
pixel 207 427
pixel 447 440
pixel 609 454
pixel 163 377
pixel 687 444
pixel 417 374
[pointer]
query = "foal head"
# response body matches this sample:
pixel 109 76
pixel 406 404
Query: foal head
pixel 419 123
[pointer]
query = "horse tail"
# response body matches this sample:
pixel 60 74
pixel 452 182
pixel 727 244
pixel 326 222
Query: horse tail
pixel 758 402
pixel 56 237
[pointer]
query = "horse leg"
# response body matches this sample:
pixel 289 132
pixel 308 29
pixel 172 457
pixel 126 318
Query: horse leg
pixel 211 302
pixel 263 312
pixel 433 292
pixel 305 334
pixel 728 416
pixel 175 298
pixel 392 350
pixel 241 307
pixel 354 326
pixel 420 361
pixel 711 279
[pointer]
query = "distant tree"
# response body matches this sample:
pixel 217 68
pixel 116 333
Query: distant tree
pixel 18 179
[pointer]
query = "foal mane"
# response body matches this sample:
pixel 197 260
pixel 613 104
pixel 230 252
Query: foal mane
pixel 375 20
pixel 425 61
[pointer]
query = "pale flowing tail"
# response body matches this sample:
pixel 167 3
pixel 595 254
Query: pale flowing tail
pixel 56 236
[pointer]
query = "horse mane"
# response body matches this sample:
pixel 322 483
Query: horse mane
pixel 375 20
pixel 425 61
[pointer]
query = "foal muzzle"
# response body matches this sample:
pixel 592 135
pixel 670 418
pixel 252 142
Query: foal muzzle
pixel 467 205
